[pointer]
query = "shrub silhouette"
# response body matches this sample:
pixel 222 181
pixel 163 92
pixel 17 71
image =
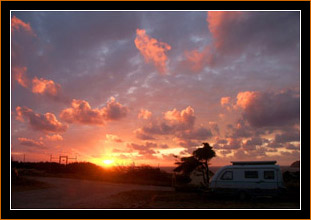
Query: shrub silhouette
pixel 84 170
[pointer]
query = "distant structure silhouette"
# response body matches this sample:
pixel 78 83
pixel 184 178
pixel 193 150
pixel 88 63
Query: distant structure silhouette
pixel 62 158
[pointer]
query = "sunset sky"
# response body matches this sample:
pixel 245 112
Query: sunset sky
pixel 123 87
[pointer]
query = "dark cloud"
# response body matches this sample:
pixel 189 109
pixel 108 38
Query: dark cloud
pixel 274 145
pixel 141 135
pixel 270 32
pixel 46 122
pixel 158 129
pixel 270 109
pixel 189 144
pixel 238 34
pixel 292 147
pixel 288 136
pixel 255 141
pixel 258 154
pixel 30 143
pixel 240 130
pixel 222 141
pixel 195 134
pixel 144 149
pixel 163 146
pixel 114 110
pixel 214 127
pixel 224 152
pixel 232 144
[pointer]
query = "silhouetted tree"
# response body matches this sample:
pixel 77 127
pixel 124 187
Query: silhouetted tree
pixel 199 161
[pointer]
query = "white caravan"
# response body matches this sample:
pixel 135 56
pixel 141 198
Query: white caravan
pixel 248 178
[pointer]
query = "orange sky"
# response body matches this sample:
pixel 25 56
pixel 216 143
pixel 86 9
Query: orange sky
pixel 116 88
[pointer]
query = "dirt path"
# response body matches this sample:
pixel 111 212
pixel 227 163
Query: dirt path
pixel 63 193
pixel 73 193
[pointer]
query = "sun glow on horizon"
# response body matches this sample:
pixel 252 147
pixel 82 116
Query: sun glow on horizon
pixel 108 162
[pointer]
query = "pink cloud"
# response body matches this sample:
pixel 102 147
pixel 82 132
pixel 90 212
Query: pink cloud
pixel 82 113
pixel 19 74
pixel 46 122
pixel 219 22
pixel 144 114
pixel 184 118
pixel 152 50
pixel 18 25
pixel 55 137
pixel 179 125
pixel 172 122
pixel 44 86
pixel 244 99
pixel 224 101
pixel 38 86
pixel 30 142
pixel 199 59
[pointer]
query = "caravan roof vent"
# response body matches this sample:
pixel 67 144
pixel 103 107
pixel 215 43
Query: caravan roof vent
pixel 253 162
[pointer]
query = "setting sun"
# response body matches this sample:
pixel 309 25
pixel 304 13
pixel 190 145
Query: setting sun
pixel 108 162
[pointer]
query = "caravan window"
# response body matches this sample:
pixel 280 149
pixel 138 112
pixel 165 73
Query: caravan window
pixel 228 175
pixel 268 175
pixel 251 174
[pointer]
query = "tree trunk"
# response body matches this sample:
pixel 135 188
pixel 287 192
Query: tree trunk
pixel 207 175
pixel 203 174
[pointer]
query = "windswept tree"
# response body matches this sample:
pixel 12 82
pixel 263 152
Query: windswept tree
pixel 198 161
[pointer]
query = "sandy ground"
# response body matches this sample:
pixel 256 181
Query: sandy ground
pixel 65 193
